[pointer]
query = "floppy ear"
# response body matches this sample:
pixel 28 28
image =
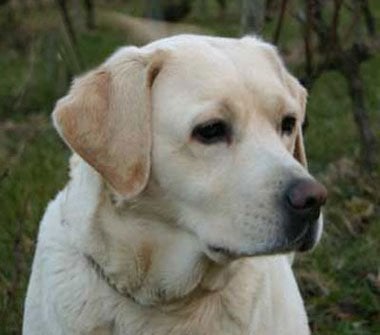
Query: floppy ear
pixel 300 94
pixel 299 147
pixel 106 119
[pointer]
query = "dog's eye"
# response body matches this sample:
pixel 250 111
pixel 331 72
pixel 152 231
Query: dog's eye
pixel 212 131
pixel 287 125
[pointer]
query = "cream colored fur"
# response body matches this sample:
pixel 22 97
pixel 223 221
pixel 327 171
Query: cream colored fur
pixel 124 248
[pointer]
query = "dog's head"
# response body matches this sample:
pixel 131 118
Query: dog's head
pixel 216 124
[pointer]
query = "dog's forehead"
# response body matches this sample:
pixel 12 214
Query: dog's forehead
pixel 203 69
pixel 211 65
pixel 247 60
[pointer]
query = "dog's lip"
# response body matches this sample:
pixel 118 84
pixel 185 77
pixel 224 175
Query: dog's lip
pixel 219 253
pixel 299 239
pixel 223 250
pixel 308 240
pixel 300 243
pixel 224 254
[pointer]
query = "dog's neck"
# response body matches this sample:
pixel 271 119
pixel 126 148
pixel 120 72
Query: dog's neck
pixel 150 259
pixel 153 261
pixel 147 259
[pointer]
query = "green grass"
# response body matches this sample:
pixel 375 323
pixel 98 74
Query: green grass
pixel 35 167
pixel 339 280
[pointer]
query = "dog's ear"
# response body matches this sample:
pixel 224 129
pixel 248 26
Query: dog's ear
pixel 300 94
pixel 106 119
pixel 299 146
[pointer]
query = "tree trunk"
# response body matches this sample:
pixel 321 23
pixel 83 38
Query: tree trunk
pixel 90 14
pixel 368 17
pixel 277 32
pixel 356 92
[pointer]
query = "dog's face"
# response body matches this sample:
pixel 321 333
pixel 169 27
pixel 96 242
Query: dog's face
pixel 216 124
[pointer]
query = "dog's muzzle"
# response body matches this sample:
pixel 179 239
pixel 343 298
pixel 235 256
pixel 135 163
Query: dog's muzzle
pixel 300 205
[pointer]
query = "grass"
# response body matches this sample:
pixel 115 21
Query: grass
pixel 340 280
pixel 36 165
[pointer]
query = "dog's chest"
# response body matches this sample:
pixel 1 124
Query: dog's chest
pixel 217 314
pixel 227 311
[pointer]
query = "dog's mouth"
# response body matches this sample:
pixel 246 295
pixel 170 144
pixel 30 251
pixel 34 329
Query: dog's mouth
pixel 227 252
pixel 304 241
pixel 222 254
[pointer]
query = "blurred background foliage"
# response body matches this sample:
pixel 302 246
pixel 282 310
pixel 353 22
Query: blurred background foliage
pixel 332 46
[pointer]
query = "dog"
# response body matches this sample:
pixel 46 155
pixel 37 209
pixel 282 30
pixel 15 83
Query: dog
pixel 188 194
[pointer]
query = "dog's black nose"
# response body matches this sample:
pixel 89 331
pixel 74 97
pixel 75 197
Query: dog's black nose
pixel 304 198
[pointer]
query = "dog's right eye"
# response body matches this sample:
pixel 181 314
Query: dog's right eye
pixel 213 131
pixel 288 124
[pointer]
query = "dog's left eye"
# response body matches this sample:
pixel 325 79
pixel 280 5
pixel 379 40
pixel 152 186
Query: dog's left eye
pixel 288 124
pixel 212 131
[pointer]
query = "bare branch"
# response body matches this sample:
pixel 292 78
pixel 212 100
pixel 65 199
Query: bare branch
pixel 277 32
pixel 307 45
pixel 62 5
pixel 355 18
pixel 335 22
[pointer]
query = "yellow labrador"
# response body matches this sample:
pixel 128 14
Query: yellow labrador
pixel 188 191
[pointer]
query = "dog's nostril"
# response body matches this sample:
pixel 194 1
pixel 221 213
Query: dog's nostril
pixel 306 194
pixel 310 202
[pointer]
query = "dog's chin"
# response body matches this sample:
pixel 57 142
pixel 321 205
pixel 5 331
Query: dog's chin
pixel 304 241
pixel 311 237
